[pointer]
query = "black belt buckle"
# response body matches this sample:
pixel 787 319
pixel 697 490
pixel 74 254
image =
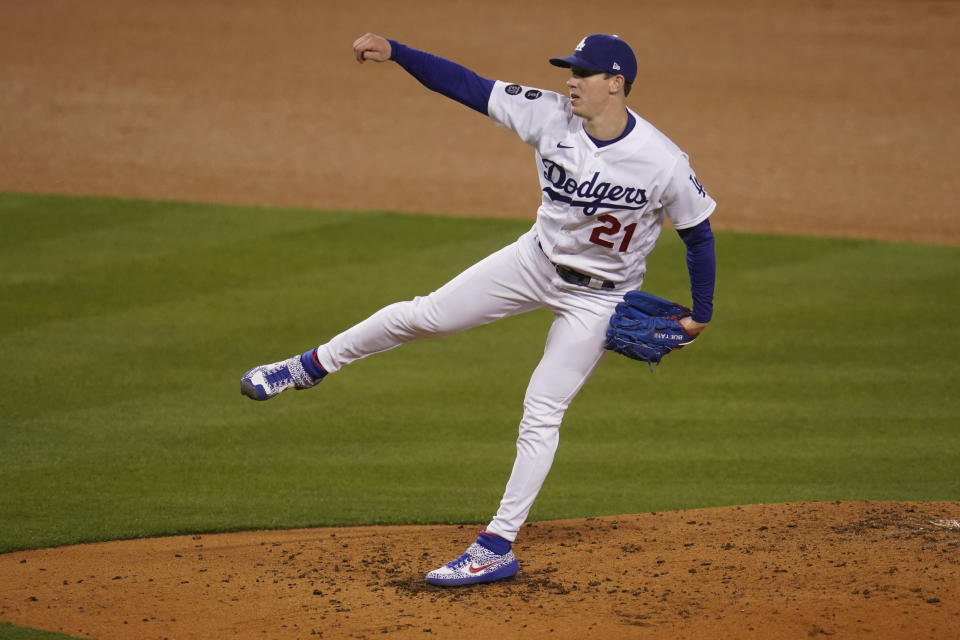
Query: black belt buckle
pixel 577 278
pixel 581 279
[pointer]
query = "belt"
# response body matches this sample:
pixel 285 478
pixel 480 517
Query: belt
pixel 575 277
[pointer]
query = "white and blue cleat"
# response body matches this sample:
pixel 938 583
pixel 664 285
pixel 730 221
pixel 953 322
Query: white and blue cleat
pixel 268 380
pixel 477 565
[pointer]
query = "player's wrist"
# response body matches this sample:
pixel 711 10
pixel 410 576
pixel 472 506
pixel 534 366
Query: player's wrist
pixel 692 327
pixel 701 318
pixel 395 48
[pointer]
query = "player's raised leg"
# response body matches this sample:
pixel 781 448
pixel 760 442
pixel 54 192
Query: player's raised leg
pixel 493 288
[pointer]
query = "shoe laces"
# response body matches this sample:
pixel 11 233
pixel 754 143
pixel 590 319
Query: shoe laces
pixel 279 377
pixel 459 562
pixel 476 553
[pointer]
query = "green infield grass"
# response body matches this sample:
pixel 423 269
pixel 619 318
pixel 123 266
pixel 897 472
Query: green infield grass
pixel 829 372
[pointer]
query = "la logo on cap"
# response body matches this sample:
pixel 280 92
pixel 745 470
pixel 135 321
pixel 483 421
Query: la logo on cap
pixel 600 52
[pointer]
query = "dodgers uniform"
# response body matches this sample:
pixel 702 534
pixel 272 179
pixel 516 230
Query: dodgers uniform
pixel 602 209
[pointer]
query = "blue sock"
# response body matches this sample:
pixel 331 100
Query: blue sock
pixel 493 542
pixel 312 366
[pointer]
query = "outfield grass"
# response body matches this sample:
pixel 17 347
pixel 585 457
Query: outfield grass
pixel 830 372
pixel 13 632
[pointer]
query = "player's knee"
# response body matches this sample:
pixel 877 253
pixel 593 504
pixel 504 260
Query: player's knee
pixel 535 438
pixel 542 411
pixel 421 318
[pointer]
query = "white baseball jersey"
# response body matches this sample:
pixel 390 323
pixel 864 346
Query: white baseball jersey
pixel 602 210
pixel 603 207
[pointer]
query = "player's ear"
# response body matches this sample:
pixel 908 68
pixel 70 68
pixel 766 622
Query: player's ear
pixel 616 84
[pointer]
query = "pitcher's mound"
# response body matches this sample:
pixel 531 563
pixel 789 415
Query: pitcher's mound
pixel 865 569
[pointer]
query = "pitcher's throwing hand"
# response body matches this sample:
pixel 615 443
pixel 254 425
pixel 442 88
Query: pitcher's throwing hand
pixel 371 47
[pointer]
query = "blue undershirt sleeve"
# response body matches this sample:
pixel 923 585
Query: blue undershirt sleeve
pixel 702 265
pixel 443 76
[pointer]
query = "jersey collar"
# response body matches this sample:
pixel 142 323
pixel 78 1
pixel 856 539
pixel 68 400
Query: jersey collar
pixel 631 123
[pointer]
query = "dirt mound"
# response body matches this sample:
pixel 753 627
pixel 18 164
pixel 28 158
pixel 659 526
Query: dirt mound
pixel 865 569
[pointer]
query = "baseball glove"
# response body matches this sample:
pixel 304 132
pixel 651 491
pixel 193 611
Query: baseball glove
pixel 646 328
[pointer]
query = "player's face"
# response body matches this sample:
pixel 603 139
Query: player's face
pixel 589 91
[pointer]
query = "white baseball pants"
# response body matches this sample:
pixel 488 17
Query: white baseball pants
pixel 516 279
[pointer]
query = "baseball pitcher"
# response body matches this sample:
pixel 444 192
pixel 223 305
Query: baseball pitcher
pixel 608 179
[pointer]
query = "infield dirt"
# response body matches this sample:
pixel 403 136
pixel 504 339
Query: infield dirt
pixel 840 569
pixel 833 118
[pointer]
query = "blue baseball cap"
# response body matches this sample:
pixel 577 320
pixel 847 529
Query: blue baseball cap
pixel 604 53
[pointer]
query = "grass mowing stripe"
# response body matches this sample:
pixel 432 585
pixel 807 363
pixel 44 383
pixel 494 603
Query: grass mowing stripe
pixel 129 323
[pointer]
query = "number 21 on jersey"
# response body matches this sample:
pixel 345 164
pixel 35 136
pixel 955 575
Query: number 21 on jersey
pixel 611 229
